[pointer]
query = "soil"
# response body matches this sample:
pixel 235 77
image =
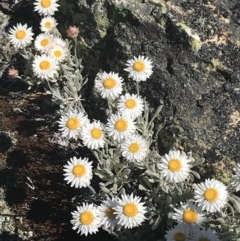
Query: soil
pixel 42 211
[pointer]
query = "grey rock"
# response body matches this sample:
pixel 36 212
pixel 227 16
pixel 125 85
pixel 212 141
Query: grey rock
pixel 195 50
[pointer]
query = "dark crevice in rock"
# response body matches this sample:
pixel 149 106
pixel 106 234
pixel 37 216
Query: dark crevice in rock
pixel 169 66
pixel 225 74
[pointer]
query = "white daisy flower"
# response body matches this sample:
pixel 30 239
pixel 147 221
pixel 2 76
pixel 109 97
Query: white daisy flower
pixel 86 219
pixel 93 135
pixel 107 214
pixel 236 178
pixel 189 216
pixel 108 85
pixel 177 234
pixel 60 42
pixel 139 68
pixel 20 36
pixel 45 67
pixel 130 211
pixel 131 105
pixel 46 7
pixel 59 53
pixel 120 126
pixel 78 172
pixel 205 235
pixel 71 124
pixel 48 24
pixel 134 148
pixel 211 195
pixel 43 42
pixel 174 166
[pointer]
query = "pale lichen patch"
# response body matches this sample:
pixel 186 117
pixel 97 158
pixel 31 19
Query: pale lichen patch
pixel 175 8
pixel 235 118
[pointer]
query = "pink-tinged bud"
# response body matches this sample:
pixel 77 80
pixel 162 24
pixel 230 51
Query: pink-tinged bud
pixel 12 73
pixel 73 31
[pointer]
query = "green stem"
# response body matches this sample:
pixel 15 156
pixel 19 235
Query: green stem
pixel 75 47
pixel 109 107
pixel 92 189
pixel 137 86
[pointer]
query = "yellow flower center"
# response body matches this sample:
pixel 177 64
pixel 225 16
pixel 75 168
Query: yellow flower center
pixel 174 165
pixel 86 218
pixel 179 236
pixel 96 133
pixel 45 42
pixel 130 104
pixel 121 125
pixel 45 65
pixel 46 3
pixel 57 53
pixel 204 239
pixel 110 213
pixel 79 170
pixel 190 216
pixel 139 66
pixel 211 194
pixel 130 209
pixel 73 123
pixel 48 24
pixel 134 147
pixel 21 34
pixel 109 83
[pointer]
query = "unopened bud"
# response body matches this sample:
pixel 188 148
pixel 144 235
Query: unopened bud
pixel 73 31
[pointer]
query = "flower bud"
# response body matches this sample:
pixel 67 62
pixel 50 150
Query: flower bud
pixel 12 73
pixel 73 31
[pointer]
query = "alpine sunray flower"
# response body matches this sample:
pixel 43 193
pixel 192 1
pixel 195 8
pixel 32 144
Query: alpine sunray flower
pixel 46 7
pixel 189 216
pixel 130 211
pixel 48 24
pixel 45 67
pixel 174 166
pixel 86 219
pixel 211 195
pixel 134 148
pixel 109 85
pixel 20 36
pixel 93 135
pixel 120 126
pixel 107 214
pixel 177 234
pixel 78 172
pixel 131 105
pixel 71 123
pixel 139 68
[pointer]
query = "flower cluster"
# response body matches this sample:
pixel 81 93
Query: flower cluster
pixel 126 211
pixel 129 135
pixel 138 186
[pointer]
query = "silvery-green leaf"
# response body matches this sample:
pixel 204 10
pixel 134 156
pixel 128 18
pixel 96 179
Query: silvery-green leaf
pixel 156 223
pixel 235 201
pixel 151 221
pixel 106 190
pixel 101 174
pixel 198 162
pixel 148 172
pixel 126 171
pixel 114 188
pixel 195 174
pixel 141 187
pixel 123 191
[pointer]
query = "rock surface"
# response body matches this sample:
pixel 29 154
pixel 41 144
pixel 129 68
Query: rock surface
pixel 195 48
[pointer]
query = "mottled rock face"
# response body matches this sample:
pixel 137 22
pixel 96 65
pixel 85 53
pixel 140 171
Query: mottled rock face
pixel 195 48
